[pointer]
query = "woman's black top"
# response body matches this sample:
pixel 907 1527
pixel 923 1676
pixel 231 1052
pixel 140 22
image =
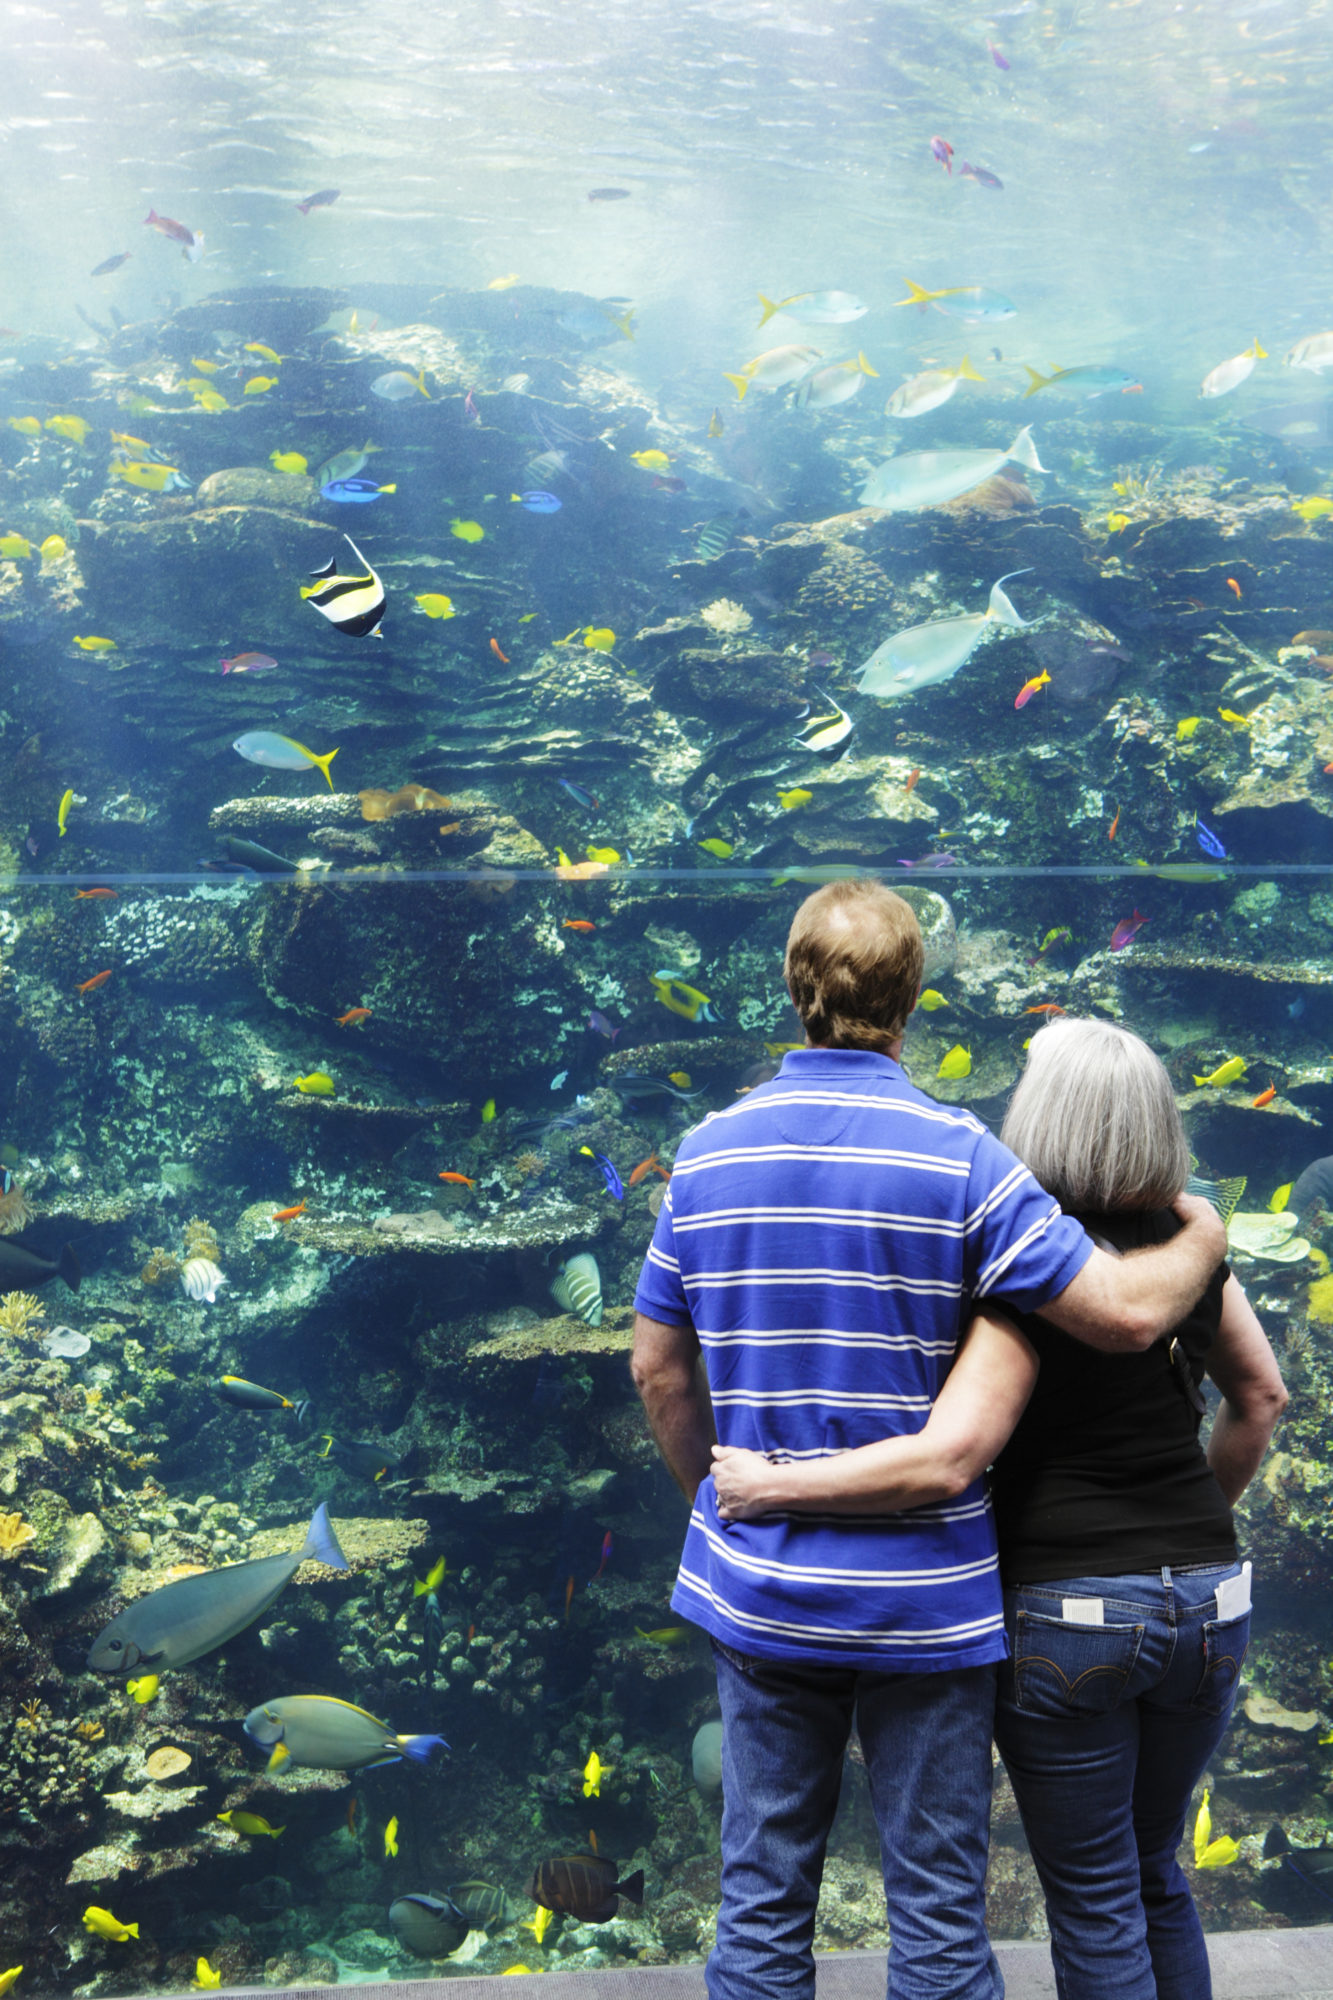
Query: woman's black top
pixel 1104 1474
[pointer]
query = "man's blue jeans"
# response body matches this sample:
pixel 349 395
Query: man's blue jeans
pixel 927 1744
pixel 1105 1730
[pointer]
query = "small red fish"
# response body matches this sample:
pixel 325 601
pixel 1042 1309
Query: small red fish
pixel 470 410
pixel 471 1634
pixel 606 1556
pixel 1126 931
pixel 352 1017
pixel 996 57
pixel 1046 1007
pixel 1115 825
pixel 569 1597
pixel 912 777
pixel 1264 1097
pixel 351 1815
pixel 495 648
pixel 459 1180
pixel 642 1171
pixel 93 895
pixel 1029 688
pixel 1233 585
pixel 91 985
pixel 592 1839
pixel 175 230
pixel 1196 603
pixel 577 924
pixel 942 151
pixel 288 1214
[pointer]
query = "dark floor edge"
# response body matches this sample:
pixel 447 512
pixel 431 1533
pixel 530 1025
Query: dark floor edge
pixel 1247 1965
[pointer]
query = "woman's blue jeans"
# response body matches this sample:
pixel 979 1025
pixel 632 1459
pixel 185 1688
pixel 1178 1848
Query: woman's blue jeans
pixel 926 1738
pixel 1105 1730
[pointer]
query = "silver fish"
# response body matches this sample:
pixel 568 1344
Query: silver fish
pixel 926 654
pixel 184 1620
pixel 929 478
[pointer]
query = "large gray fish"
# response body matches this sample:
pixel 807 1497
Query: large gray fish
pixel 428 1926
pixel 195 1615
pixel 929 478
pixel 21 1270
pixel 329 1735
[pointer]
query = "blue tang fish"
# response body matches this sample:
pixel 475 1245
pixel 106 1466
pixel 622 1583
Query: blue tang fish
pixel 1209 841
pixel 353 491
pixel 614 1185
pixel 538 503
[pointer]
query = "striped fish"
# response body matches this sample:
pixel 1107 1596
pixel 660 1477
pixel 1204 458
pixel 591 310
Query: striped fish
pixel 584 1886
pixel 714 536
pixel 577 1288
pixel 483 1903
pixel 1223 1195
pixel 352 604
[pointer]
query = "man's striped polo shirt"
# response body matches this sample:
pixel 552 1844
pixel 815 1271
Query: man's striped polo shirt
pixel 827 1236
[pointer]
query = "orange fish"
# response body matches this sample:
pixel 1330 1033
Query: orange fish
pixel 495 648
pixel 454 826
pixel 1233 585
pixel 91 985
pixel 577 924
pixel 1029 688
pixel 569 1597
pixel 1115 825
pixel 642 1171
pixel 471 1634
pixel 93 895
pixel 288 1214
pixel 592 1840
pixel 351 1815
pixel 1264 1097
pixel 461 1180
pixel 1046 1007
pixel 912 777
pixel 352 1016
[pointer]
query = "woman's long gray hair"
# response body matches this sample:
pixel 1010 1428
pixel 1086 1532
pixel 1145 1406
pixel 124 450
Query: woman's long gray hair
pixel 1095 1118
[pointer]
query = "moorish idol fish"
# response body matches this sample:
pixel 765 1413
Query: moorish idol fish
pixel 352 604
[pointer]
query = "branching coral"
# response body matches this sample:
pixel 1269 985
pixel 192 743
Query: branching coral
pixel 21 1315
pixel 200 1240
pixel 161 1269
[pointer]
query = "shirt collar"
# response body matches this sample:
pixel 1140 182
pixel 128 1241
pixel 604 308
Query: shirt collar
pixel 840 1063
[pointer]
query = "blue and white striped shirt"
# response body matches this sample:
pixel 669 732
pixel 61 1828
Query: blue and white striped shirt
pixel 827 1236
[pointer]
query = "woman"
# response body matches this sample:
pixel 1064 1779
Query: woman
pixel 1127 1611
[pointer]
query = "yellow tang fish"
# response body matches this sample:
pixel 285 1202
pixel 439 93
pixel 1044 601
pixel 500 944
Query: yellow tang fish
pixel 288 461
pixel 957 1063
pixel 102 1924
pixel 1186 727
pixel 1313 508
pixel 790 800
pixel 252 1825
pixel 607 856
pixel 209 399
pixel 259 385
pixel 1279 1199
pixel 204 367
pixel 204 1975
pixel 488 1112
pixel 681 1078
pixel 592 1776
pixel 28 427
pixel 143 1690
pixel 199 385
pixel 467 531
pixel 1117 523
pixel 598 638
pixel 1210 1853
pixel 391 1839
pixel 7 1978
pixel 92 644
pixel 930 999
pixel 1225 1073
pixel 666 1635
pixel 14 545
pixel 317 1084
pixel 53 548
pixel 651 461
pixel 266 353
pixel 435 1576
pixel 436 605
pixel 723 849
pixel 1236 721
pixel 75 429
pixel 538 1923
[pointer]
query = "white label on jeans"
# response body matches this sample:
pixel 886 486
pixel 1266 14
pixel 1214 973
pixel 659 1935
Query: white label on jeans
pixel 1082 1611
pixel 1233 1596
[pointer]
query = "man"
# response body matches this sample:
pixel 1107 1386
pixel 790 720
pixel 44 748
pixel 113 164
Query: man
pixel 821 1245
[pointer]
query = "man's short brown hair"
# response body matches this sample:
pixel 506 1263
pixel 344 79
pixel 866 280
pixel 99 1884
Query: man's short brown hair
pixel 853 965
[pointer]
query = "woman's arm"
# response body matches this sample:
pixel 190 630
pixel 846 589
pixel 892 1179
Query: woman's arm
pixel 985 1395
pixel 1245 1369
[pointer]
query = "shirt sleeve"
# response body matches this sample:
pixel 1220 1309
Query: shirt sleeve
pixel 1022 1249
pixel 661 1294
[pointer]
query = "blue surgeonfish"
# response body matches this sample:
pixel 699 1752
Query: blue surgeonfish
pixel 195 1615
pixel 324 1734
pixel 925 654
pixel 929 478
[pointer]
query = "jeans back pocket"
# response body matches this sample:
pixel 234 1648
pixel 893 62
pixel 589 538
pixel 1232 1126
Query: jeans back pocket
pixel 1061 1668
pixel 1225 1644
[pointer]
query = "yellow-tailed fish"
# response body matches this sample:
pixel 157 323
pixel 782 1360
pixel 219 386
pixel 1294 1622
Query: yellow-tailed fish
pixel 929 390
pixel 435 604
pixel 1229 375
pixel 1186 727
pixel 592 1776
pixel 288 461
pixel 252 1825
pixel 7 1978
pixel 789 801
pixel 1225 1073
pixel 204 1975
pixel 930 999
pixel 102 1924
pixel 607 857
pixel 1210 1853
pixel 204 367
pixel 598 638
pixel 467 531
pixel 264 353
pixel 957 1063
pixel 92 644
pixel 1117 523
pixel 28 427
pixel 318 1084
pixel 259 385
pixel 667 1635
pixel 721 849
pixel 651 461
pixel 434 1577
pixel 1312 509
pixel 53 548
pixel 75 429
pixel 1278 1200
pixel 679 998
pixel 391 1839
pixel 1236 720
pixel 143 1690
pixel 62 812
pixel 681 1078
pixel 12 546
pixel 155 478
pixel 210 400
pixel 538 1923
